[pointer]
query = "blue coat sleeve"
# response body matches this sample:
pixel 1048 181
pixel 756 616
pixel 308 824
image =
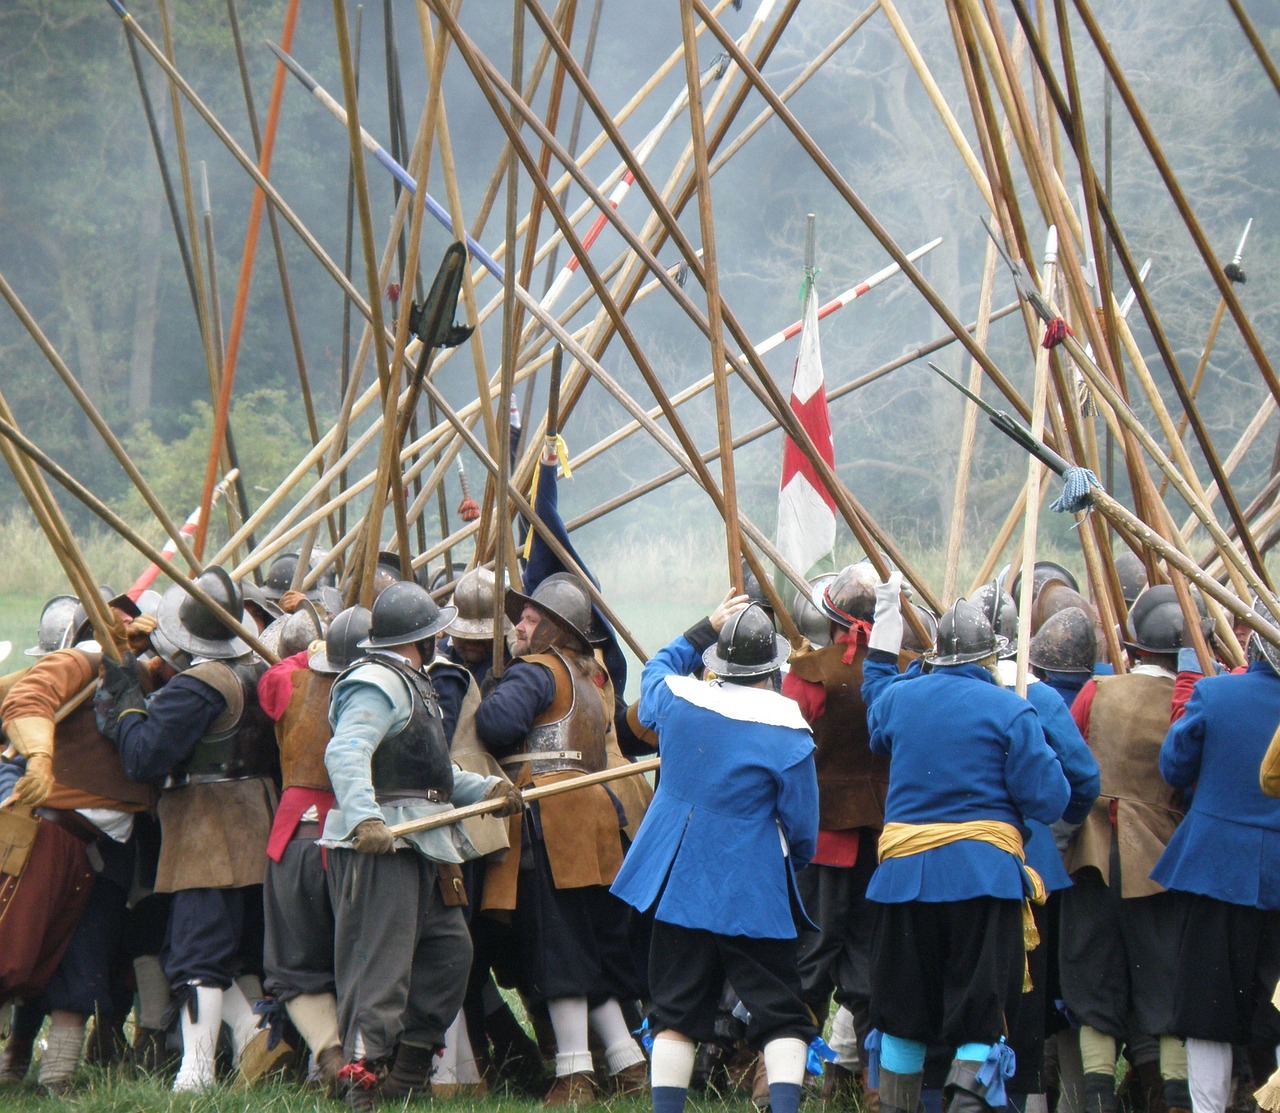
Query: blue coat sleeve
pixel 879 672
pixel 506 714
pixel 798 810
pixel 1077 761
pixel 1184 744
pixel 1032 773
pixel 362 716
pixel 677 659
pixel 153 745
pixel 450 683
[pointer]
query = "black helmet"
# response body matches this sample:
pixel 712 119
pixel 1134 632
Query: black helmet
pixel 748 647
pixel 1155 623
pixel 965 635
pixel 1133 576
pixel 257 605
pixel 1001 611
pixel 1259 644
pixel 56 625
pixel 910 642
pixel 191 626
pixel 1044 571
pixel 1056 597
pixel 82 628
pixel 561 598
pixel 404 614
pixel 810 619
pixel 752 590
pixel 851 595
pixel 279 578
pixel 342 643
pixel 1065 642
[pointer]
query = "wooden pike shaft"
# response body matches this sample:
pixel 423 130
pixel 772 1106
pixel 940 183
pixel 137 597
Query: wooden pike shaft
pixel 711 272
pixel 490 81
pixel 99 423
pixel 84 495
pixel 488 807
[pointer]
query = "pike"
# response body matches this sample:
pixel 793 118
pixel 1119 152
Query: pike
pixel 1084 491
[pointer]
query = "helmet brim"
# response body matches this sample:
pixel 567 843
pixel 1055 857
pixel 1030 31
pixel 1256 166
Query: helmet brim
pixel 943 659
pixel 430 630
pixel 715 662
pixel 515 603
pixel 170 624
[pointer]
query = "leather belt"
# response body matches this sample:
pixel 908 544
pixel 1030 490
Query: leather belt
pixel 184 780
pixel 542 755
pixel 71 822
pixel 401 799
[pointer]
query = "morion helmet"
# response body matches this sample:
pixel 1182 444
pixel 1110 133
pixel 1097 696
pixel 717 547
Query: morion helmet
pixel 747 647
pixel 192 627
pixel 965 635
pixel 1065 642
pixel 403 614
pixel 342 643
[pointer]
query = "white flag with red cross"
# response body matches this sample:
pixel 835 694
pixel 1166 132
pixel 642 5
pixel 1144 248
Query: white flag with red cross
pixel 806 510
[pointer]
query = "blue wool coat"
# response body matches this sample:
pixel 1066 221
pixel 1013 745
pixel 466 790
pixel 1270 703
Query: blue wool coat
pixel 1228 846
pixel 960 748
pixel 1081 770
pixel 736 808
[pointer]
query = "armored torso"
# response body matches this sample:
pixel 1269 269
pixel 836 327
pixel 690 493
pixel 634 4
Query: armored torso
pixel 240 742
pixel 569 735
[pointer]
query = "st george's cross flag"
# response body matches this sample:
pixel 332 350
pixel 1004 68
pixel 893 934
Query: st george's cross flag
pixel 806 510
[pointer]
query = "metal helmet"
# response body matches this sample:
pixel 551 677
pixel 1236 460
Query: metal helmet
pixel 1259 644
pixel 810 619
pixel 279 578
pixel 1065 642
pixel 1055 597
pixel 747 646
pixel 910 642
pixel 752 590
pixel 404 614
pixel 57 624
pixel 177 659
pixel 473 600
pixel 1001 611
pixel 1155 623
pixel 1043 572
pixel 149 602
pixel 82 628
pixel 851 596
pixel 294 632
pixel 561 598
pixel 965 635
pixel 342 643
pixel 191 626
pixel 597 632
pixel 1133 576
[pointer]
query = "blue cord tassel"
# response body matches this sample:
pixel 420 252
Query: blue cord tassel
pixel 1000 1064
pixel 1075 491
pixel 819 1053
pixel 872 1048
pixel 645 1035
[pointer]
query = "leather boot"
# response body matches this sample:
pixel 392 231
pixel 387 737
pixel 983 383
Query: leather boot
pixel 328 1063
pixel 899 1093
pixel 410 1075
pixel 573 1090
pixel 1150 1087
pixel 760 1087
pixel 839 1088
pixel 961 1092
pixel 16 1061
pixel 361 1084
pixel 632 1081
pixel 1099 1093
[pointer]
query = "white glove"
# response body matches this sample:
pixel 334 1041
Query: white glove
pixel 887 628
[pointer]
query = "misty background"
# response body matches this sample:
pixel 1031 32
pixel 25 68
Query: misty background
pixel 87 244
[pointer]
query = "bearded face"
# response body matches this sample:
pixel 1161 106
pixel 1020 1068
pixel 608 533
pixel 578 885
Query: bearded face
pixel 530 617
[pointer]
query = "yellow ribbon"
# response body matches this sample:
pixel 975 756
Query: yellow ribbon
pixel 902 840
pixel 566 472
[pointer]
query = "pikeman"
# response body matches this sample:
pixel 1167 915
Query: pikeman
pixel 548 711
pixel 968 761
pixel 297 915
pixel 1223 863
pixel 204 736
pixel 401 950
pixel 735 813
pixel 1119 928
pixel 63 916
pixel 852 784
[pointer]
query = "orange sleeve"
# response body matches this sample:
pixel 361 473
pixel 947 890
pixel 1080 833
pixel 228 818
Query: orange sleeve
pixel 47 685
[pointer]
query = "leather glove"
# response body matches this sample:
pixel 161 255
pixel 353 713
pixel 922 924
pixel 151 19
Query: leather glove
pixel 138 633
pixel 372 836
pixel 290 601
pixel 887 625
pixel 32 737
pixel 513 801
pixel 119 693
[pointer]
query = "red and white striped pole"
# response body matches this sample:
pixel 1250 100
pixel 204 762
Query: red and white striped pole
pixel 148 577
